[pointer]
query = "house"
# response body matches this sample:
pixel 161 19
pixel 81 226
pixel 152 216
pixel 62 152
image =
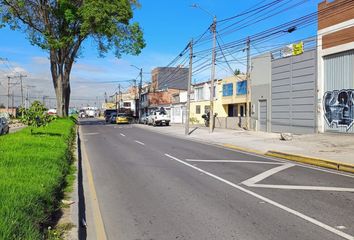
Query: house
pixel 178 107
pixel 200 101
pixel 167 83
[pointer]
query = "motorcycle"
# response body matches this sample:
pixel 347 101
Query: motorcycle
pixel 206 118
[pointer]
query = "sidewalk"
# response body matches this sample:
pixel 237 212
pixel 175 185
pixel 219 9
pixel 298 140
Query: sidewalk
pixel 338 148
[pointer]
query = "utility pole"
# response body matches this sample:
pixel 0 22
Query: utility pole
pixel 140 86
pixel 8 92
pixel 213 57
pixel 22 100
pixel 248 96
pixel 189 88
pixel 118 98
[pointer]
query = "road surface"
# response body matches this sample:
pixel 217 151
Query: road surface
pixel 153 186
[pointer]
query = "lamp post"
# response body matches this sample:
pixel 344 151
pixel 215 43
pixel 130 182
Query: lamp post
pixel 212 75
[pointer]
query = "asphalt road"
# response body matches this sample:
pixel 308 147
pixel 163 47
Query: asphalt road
pixel 153 186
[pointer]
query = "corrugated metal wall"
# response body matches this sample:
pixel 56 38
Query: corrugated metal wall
pixel 294 93
pixel 338 100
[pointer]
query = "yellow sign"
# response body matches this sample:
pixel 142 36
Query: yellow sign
pixel 109 106
pixel 298 48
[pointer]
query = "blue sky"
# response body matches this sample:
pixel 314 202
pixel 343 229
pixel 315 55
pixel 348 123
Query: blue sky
pixel 168 26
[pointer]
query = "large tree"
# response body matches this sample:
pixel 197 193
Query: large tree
pixel 61 26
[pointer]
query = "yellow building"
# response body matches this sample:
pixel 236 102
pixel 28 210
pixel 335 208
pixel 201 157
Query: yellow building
pixel 234 95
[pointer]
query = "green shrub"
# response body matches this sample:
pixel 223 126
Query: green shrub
pixel 36 115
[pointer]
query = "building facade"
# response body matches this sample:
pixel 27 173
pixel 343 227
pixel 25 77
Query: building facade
pixel 335 56
pixel 169 77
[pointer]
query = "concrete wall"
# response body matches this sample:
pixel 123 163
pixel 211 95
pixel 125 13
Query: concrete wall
pixel 261 77
pixel 230 122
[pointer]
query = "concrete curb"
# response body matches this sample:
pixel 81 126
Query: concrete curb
pixel 73 234
pixel 345 167
pixel 243 149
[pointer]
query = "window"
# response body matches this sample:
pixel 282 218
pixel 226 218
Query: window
pixel 198 94
pixel 126 104
pixel 214 91
pixel 206 109
pixel 241 88
pixel 197 109
pixel 227 89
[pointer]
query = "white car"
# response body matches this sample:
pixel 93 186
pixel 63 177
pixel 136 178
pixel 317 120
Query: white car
pixel 159 117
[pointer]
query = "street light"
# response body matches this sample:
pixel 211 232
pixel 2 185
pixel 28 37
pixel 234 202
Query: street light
pixel 212 75
pixel 140 86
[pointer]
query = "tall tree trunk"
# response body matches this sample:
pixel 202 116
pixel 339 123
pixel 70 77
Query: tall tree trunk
pixel 62 92
pixel 61 81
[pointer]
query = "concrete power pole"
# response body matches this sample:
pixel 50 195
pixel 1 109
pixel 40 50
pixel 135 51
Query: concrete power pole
pixel 21 80
pixel 8 92
pixel 211 123
pixel 186 132
pixel 140 86
pixel 248 98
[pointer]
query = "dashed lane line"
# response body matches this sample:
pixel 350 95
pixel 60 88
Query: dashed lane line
pixel 275 204
pixel 141 143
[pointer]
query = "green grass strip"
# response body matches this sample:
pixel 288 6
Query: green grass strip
pixel 33 168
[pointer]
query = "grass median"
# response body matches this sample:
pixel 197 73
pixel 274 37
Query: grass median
pixel 33 170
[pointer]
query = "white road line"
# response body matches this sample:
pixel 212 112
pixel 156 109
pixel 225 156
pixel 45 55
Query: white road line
pixel 252 182
pixel 91 134
pixel 141 143
pixel 232 161
pixel 278 205
pixel 122 135
pixel 266 174
pixel 295 187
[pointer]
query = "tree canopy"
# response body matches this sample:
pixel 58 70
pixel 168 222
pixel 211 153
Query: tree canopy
pixel 61 26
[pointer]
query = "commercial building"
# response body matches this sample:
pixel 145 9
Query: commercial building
pixel 335 56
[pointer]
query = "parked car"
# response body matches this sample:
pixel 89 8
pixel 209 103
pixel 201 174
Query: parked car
pixel 113 117
pixel 159 117
pixel 4 126
pixel 122 118
pixel 107 114
pixel 52 111
pixel 144 118
pixel 82 113
pixel 90 113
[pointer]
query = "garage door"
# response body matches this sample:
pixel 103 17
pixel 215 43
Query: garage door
pixel 294 94
pixel 338 100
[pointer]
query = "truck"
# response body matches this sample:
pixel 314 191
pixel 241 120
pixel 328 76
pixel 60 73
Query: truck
pixel 159 117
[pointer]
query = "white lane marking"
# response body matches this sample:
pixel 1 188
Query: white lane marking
pixel 252 182
pixel 266 174
pixel 122 135
pixel 232 161
pixel 341 227
pixel 91 134
pixel 278 205
pixel 295 187
pixel 141 143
